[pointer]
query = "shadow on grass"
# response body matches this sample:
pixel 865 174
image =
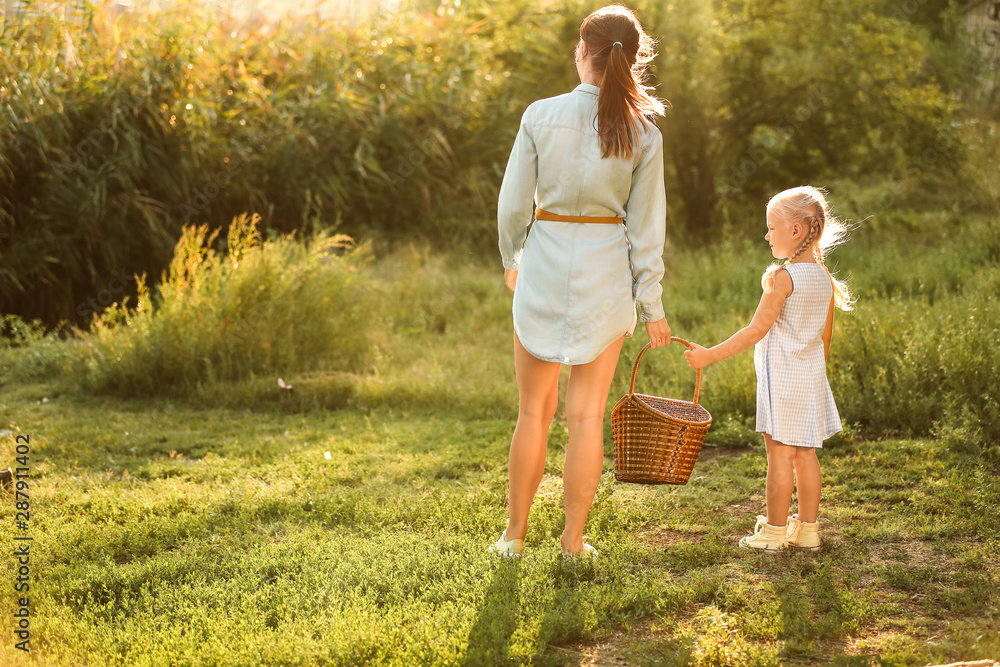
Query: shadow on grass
pixel 817 607
pixel 496 619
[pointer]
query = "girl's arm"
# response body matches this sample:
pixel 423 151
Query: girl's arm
pixel 828 331
pixel 765 315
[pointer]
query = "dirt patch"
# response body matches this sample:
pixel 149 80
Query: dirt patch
pixel 747 507
pixel 623 646
pixel 920 554
pixel 914 553
pixel 662 538
pixel 619 648
pixel 603 655
pixel 608 652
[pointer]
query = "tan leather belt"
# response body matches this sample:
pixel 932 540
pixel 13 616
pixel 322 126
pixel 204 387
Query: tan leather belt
pixel 541 214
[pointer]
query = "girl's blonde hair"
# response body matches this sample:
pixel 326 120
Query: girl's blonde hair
pixel 808 205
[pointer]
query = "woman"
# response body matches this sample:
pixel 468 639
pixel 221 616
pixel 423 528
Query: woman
pixel 592 160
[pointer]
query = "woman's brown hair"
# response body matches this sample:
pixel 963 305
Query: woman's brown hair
pixel 620 52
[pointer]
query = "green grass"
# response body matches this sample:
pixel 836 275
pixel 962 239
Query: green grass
pixel 165 533
pixel 204 523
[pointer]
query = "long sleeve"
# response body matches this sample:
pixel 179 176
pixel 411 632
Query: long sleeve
pixel 515 208
pixel 645 219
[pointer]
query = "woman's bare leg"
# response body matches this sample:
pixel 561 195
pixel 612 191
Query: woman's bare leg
pixel 586 401
pixel 538 395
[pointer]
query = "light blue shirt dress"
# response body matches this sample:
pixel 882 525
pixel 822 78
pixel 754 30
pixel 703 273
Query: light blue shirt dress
pixel 579 284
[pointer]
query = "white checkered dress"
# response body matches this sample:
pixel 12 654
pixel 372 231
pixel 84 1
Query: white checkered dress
pixel 794 402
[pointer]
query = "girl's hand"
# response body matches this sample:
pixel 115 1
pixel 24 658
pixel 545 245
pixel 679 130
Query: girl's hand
pixel 659 333
pixel 510 277
pixel 697 356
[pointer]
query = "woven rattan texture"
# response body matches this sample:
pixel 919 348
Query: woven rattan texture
pixel 657 440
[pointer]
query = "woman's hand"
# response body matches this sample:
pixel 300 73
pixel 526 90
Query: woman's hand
pixel 510 277
pixel 697 356
pixel 659 333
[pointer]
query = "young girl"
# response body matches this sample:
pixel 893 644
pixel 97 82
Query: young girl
pixel 791 329
pixel 586 173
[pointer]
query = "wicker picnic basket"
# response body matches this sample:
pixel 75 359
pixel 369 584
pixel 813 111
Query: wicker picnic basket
pixel 657 440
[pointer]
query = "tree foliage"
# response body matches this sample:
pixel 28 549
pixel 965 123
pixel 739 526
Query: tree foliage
pixel 120 129
pixel 771 95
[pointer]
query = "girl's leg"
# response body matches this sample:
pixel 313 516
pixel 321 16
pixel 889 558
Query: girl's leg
pixel 808 483
pixel 780 480
pixel 586 401
pixel 538 395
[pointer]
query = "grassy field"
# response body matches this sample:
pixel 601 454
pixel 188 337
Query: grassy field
pixel 166 534
pixel 345 521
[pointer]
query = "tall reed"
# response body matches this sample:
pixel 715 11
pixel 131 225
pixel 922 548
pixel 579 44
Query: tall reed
pixel 118 129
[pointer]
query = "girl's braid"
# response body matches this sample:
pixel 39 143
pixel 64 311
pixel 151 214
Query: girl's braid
pixel 816 221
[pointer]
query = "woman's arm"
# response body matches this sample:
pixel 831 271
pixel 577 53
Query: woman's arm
pixel 515 206
pixel 767 312
pixel 658 332
pixel 645 228
pixel 510 278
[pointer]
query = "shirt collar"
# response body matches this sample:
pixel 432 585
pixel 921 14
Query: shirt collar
pixel 588 88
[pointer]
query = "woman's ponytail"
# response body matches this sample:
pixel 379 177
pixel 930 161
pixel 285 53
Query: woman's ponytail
pixel 621 51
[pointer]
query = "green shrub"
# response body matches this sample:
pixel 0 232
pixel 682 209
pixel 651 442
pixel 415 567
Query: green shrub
pixel 969 359
pixel 27 350
pixel 266 308
pixel 912 367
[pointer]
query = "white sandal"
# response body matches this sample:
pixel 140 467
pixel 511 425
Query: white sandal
pixel 587 551
pixel 507 548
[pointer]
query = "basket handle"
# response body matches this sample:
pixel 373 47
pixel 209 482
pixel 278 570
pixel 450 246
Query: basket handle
pixel 635 368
